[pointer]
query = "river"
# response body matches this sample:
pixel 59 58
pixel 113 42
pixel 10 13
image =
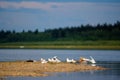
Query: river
pixel 106 58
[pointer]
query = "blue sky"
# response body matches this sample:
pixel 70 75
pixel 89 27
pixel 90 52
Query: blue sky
pixel 47 14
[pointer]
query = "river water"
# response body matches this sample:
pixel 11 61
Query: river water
pixel 106 58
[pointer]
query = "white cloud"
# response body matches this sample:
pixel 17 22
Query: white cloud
pixel 30 5
pixel 65 7
pixel 52 5
pixel 37 5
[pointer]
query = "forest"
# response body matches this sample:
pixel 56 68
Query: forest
pixel 74 33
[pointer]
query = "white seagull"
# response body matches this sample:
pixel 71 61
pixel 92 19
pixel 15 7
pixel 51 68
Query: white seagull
pixel 92 60
pixel 70 60
pixel 54 59
pixel 43 61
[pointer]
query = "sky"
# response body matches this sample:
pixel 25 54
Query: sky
pixel 27 15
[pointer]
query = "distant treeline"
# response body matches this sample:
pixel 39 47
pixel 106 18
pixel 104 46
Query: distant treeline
pixel 75 33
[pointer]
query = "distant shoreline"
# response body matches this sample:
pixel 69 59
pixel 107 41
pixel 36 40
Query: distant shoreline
pixel 35 69
pixel 81 45
pixel 64 47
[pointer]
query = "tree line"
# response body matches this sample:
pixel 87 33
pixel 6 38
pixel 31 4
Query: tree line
pixel 74 33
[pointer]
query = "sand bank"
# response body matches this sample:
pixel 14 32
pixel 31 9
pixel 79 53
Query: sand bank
pixel 37 69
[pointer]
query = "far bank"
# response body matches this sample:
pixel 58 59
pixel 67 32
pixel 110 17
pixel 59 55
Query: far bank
pixel 100 45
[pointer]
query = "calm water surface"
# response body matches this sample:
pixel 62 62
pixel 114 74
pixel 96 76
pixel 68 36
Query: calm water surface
pixel 106 58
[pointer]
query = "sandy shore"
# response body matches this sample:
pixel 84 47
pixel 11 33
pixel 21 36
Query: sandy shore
pixel 37 69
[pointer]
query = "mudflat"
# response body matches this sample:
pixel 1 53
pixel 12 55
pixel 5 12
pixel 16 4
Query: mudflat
pixel 22 68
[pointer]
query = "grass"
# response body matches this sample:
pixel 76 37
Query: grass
pixel 64 45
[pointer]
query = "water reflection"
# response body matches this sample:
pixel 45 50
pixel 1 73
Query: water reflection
pixel 3 78
pixel 113 67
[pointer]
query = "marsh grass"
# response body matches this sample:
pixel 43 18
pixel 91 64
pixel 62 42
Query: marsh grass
pixel 64 45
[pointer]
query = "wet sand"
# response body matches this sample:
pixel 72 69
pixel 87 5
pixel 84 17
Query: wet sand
pixel 34 69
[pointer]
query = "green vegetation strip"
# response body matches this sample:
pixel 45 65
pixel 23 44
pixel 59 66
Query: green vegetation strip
pixel 64 45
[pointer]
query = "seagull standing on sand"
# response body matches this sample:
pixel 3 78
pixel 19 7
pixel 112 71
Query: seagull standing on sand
pixel 43 61
pixel 70 60
pixel 92 60
pixel 54 59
